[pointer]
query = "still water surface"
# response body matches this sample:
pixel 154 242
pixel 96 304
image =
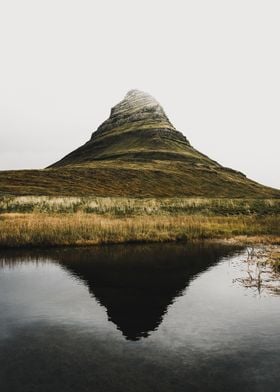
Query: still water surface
pixel 162 317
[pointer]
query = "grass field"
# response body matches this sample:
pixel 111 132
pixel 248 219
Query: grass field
pixel 60 221
pixel 123 207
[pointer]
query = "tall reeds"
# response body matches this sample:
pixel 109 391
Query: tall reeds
pixel 41 229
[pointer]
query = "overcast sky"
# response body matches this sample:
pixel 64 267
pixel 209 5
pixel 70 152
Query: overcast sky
pixel 213 65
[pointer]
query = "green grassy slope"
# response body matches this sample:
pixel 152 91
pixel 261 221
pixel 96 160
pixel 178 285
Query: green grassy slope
pixel 118 178
pixel 137 152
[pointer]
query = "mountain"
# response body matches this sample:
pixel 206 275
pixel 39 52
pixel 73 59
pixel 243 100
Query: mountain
pixel 135 152
pixel 137 130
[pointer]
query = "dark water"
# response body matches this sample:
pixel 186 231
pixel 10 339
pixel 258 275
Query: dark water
pixel 135 318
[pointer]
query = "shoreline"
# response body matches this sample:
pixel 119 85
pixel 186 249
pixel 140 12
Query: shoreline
pixel 28 230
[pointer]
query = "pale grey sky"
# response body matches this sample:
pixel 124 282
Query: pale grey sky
pixel 214 65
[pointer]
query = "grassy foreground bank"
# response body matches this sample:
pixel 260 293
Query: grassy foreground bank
pixel 124 206
pixel 62 229
pixel 60 221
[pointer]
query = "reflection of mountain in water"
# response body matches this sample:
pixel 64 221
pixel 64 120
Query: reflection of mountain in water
pixel 135 283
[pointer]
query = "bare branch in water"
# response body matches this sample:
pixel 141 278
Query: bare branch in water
pixel 262 270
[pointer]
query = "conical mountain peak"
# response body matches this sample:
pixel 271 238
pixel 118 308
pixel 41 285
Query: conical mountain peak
pixel 137 110
pixel 136 152
pixel 135 93
pixel 136 100
pixel 137 130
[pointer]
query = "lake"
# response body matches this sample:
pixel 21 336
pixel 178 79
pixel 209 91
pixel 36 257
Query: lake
pixel 159 317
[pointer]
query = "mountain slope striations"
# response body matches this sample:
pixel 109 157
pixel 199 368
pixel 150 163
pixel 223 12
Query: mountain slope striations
pixel 136 152
pixel 137 129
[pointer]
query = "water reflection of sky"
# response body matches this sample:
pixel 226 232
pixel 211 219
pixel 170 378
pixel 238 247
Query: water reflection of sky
pixel 212 325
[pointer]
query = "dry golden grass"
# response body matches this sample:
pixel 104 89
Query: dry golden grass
pixel 274 258
pixel 263 269
pixel 38 229
pixel 123 206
